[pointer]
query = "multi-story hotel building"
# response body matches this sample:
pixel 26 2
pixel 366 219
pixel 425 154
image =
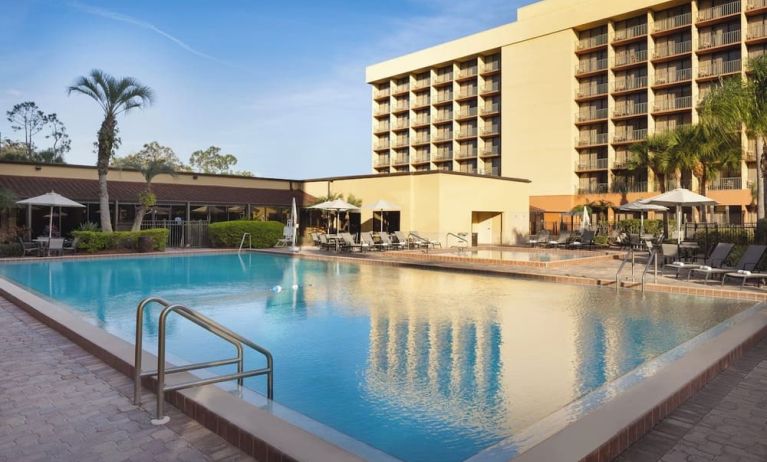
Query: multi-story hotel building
pixel 560 95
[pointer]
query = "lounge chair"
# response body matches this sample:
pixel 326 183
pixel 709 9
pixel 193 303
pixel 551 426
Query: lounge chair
pixel 29 248
pixel 562 240
pixel 747 263
pixel 324 243
pixel 425 242
pixel 669 253
pixel 402 239
pixel 72 247
pixel 744 276
pixel 392 245
pixel 540 238
pixel 585 240
pixel 368 239
pixel 56 245
pixel 347 243
pixel 715 260
pixel 316 239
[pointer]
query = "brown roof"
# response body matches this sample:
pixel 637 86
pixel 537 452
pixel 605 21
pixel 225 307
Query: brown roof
pixel 124 191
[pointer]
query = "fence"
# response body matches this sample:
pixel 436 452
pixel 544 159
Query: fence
pixel 193 233
pixel 708 234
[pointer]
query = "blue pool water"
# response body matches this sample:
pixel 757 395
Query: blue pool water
pixel 423 365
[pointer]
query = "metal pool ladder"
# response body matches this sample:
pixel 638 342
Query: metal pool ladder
pixel 242 242
pixel 162 371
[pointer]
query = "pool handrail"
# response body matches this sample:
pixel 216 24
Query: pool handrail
pixel 211 326
pixel 242 242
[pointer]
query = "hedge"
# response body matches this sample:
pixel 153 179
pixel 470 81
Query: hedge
pixel 11 250
pixel 94 241
pixel 263 234
pixel 633 226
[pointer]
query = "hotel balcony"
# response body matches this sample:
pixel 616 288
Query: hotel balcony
pixel 659 129
pixel 594 188
pixel 381 94
pixel 492 151
pixel 421 159
pixel 591 43
pixel 443 118
pixel 440 137
pixel 756 32
pixel 400 125
pixel 590 165
pixel 672 23
pixel 726 183
pixel 381 111
pixel 591 66
pixel 673 104
pixel 421 102
pixel 630 33
pixel 401 160
pixel 401 107
pixel 381 128
pixel 719 68
pixel 630 85
pixel 464 134
pixel 719 12
pixel 382 161
pixel 491 131
pixel 623 186
pixel 421 122
pixel 467 93
pixel 491 67
pixel 467 73
pixel 631 136
pixel 442 98
pixel 420 140
pixel 442 156
pixel 630 59
pixel 672 77
pixel 490 110
pixel 710 42
pixel 489 89
pixel 442 79
pixel 756 7
pixel 468 154
pixel 591 91
pixel 591 115
pixel 495 171
pixel 630 110
pixel 672 50
pixel 464 114
pixel 400 89
pixel 419 84
pixel 591 140
pixel 381 146
pixel 621 163
pixel 400 143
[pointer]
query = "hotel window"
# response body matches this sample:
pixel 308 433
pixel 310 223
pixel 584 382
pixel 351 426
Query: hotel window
pixel 467 109
pixel 401 121
pixel 719 35
pixel 382 108
pixel 493 167
pixel 467 89
pixel 675 71
pixel 467 149
pixel 592 62
pixel 422 168
pixel 492 147
pixel 422 99
pixel 401 85
pixel 755 51
pixel 445 167
pixel 492 126
pixel 630 105
pixel 592 86
pixel 630 54
pixel 421 117
pixel 592 38
pixel 444 94
pixel 492 105
pixel 631 80
pixel 673 45
pixel 672 18
pixel 422 80
pixel 469 166
pixel 492 63
pixel 467 68
pixel 444 74
pixel 422 154
pixel 492 84
pixel 671 122
pixel 673 98
pixel 631 28
pixel 421 135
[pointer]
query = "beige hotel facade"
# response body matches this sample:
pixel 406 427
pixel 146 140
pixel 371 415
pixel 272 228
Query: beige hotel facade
pixel 558 97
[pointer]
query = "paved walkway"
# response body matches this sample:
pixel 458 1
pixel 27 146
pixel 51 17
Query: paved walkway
pixel 58 402
pixel 726 421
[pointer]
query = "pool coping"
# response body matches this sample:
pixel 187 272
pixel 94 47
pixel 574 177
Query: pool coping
pixel 584 257
pixel 255 431
pixel 592 437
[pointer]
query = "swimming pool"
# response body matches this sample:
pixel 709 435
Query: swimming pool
pixel 520 255
pixel 424 365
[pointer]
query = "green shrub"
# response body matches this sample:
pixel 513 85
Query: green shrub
pixel 12 249
pixel 95 241
pixel 229 233
pixel 634 225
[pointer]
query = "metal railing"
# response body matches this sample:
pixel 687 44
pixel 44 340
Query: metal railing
pixel 380 146
pixel 491 130
pixel 635 83
pixel 596 188
pixel 443 97
pixel 491 88
pixel 591 114
pixel 467 113
pixel 632 57
pixel 381 110
pixel 628 186
pixel 672 49
pixel 443 156
pixel 591 42
pixel 631 135
pixel 382 162
pixel 684 102
pixel 181 233
pixel 444 136
pixel 418 84
pixel 401 107
pixel 726 183
pixel 710 69
pixel 491 66
pixel 421 102
pixel 490 109
pixel 421 159
pixel 754 4
pixel 630 32
pixel 420 139
pixel 595 164
pixel 467 93
pixel 599 138
pixel 242 242
pixel 584 67
pixel 491 152
pixel 467 72
pixel 466 133
pixel 712 40
pixel 680 20
pixel 756 31
pixel 421 121
pixel 719 11
pixel 401 89
pixel 443 78
pixel 586 91
pixel 162 370
pixel 630 109
pixel 672 76
pixel 382 128
pixel 472 154
pixel 461 237
pixel 401 160
pixel 382 93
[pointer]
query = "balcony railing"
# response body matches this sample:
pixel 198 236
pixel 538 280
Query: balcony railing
pixel 719 11
pixel 594 188
pixel 382 93
pixel 490 131
pixel 400 142
pixel 490 109
pixel 680 20
pixel 591 42
pixel 591 140
pixel 495 171
pixel 442 156
pixel 672 76
pixel 621 186
pixel 622 162
pixel 755 4
pixel 713 41
pixel 466 133
pixel 712 69
pixel 592 114
pixel 631 135
pixel 468 72
pixel 491 88
pixel 401 89
pixel 586 91
pixel 467 93
pixel 590 164
pixel 400 125
pixel 756 31
pixel 421 158
pixel 467 113
pixel 491 151
pixel 726 183
pixel 420 139
pixel 382 128
pixel 672 125
pixel 684 102
pixel 382 162
pixel 672 49
pixel 624 59
pixel 443 117
pixel 628 84
pixel 421 102
pixel 470 154
pixel 421 121
pixel 630 32
pixel 418 84
pixel 443 97
pixel 381 110
pixel 443 136
pixel 673 183
pixel 401 160
pixel 630 109
pixel 491 66
pixel 381 146
pixel 443 78
pixel 401 107
pixel 585 67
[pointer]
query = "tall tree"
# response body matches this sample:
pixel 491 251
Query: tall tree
pixel 29 119
pixel 212 161
pixel 653 154
pixel 737 103
pixel 114 96
pixel 57 133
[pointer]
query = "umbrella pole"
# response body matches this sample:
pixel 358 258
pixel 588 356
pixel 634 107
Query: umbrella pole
pixel 50 231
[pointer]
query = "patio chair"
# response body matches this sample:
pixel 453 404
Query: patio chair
pixel 386 239
pixel 402 239
pixel 715 260
pixel 540 238
pixel 368 239
pixel 586 240
pixel 315 239
pixel 562 240
pixel 746 264
pixel 669 253
pixel 29 248
pixel 426 242
pixel 324 243
pixel 744 276
pixel 348 243
pixel 56 245
pixel 72 247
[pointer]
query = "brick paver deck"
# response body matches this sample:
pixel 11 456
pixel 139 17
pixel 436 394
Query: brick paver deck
pixel 726 421
pixel 58 402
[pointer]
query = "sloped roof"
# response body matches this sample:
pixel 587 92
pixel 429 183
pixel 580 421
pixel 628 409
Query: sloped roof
pixel 125 191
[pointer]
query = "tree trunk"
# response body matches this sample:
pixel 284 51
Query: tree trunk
pixel 760 186
pixel 703 209
pixel 106 141
pixel 140 212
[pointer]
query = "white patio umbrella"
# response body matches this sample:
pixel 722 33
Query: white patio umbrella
pixel 51 200
pixel 641 206
pixel 678 198
pixel 294 225
pixel 337 205
pixel 585 219
pixel 384 206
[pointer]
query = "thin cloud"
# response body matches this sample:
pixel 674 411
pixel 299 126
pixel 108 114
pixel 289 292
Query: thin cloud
pixel 104 13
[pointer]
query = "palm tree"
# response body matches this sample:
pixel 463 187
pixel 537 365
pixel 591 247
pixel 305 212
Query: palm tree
pixel 653 154
pixel 735 104
pixel 115 96
pixel 147 198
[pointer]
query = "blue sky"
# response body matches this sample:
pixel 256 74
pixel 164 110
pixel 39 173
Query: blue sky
pixel 281 85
